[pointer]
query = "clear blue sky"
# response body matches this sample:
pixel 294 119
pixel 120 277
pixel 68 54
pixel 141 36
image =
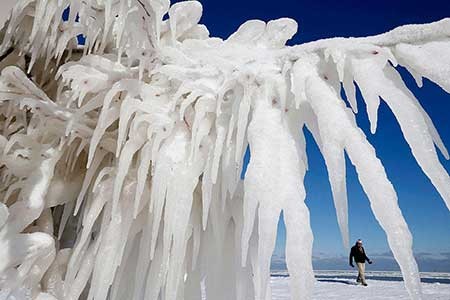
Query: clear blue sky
pixel 424 210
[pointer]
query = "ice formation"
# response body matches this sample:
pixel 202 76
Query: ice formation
pixel 121 156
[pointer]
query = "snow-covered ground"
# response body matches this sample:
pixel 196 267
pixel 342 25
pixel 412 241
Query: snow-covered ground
pixel 336 285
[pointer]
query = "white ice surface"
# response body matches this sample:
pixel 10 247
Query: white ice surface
pixel 341 285
pixel 339 288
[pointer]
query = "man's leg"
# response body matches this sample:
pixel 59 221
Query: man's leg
pixel 358 265
pixel 361 275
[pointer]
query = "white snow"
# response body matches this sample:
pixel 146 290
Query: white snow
pixel 342 286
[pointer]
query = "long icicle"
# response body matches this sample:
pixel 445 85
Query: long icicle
pixel 330 109
pixel 388 84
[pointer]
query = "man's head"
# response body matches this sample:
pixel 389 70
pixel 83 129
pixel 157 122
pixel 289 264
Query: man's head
pixel 359 243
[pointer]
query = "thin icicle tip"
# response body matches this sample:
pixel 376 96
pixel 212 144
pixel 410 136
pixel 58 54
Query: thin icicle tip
pixel 121 158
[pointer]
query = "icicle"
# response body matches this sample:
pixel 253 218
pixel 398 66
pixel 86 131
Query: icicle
pixel 127 260
pixel 414 127
pixel 130 148
pixel 362 72
pixel 67 212
pixel 197 228
pixel 244 109
pixel 207 189
pixel 159 7
pixel 158 194
pixel 113 245
pixel 107 25
pixel 104 122
pixel 276 178
pixel 128 107
pixel 177 212
pixel 143 261
pixel 220 140
pixel 335 160
pixel 191 98
pixel 155 275
pixel 53 282
pixel 429 60
pixel 99 200
pixel 3 214
pixel 299 241
pixel 433 132
pixel 89 177
pixel 142 174
pixel 349 87
pixel 74 290
pixel 330 110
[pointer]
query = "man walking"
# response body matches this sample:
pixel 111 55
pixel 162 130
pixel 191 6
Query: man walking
pixel 360 256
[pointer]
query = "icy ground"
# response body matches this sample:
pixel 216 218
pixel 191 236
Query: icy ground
pixel 381 286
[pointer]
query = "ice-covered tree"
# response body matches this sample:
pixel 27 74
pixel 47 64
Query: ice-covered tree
pixel 121 156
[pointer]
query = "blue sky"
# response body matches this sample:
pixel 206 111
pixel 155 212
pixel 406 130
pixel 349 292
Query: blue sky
pixel 422 207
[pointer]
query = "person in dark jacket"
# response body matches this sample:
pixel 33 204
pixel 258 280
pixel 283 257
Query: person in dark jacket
pixel 357 252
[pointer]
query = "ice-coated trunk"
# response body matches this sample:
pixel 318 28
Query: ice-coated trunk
pixel 273 183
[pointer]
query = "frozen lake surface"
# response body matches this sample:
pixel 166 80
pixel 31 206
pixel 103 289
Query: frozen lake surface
pixel 340 285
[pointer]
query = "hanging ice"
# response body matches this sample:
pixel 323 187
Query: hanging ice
pixel 121 158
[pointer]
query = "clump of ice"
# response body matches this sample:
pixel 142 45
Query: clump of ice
pixel 121 158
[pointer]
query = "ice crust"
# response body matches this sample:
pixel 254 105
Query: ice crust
pixel 121 159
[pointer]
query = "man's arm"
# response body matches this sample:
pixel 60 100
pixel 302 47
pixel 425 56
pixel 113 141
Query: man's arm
pixel 368 259
pixel 350 259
